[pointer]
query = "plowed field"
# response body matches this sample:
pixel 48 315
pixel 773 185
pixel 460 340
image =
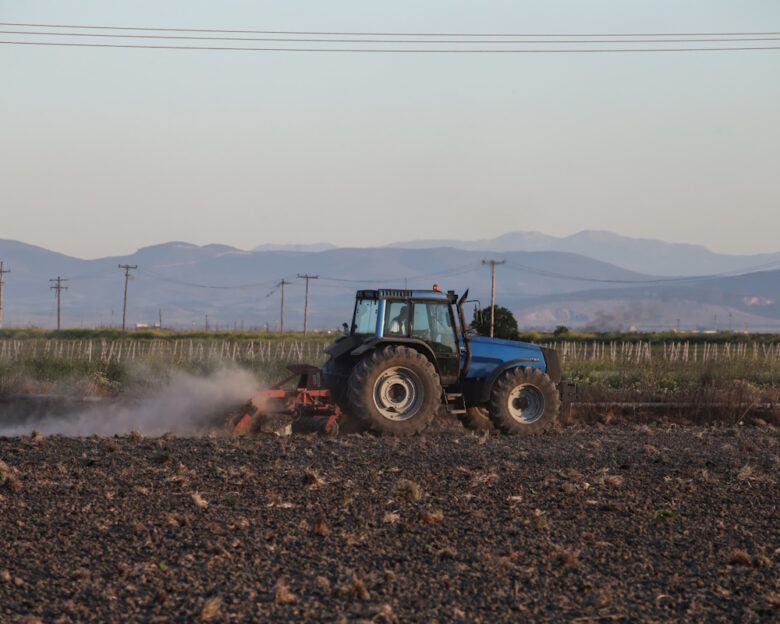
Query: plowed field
pixel 592 523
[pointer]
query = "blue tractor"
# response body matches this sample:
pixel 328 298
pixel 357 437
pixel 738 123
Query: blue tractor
pixel 408 353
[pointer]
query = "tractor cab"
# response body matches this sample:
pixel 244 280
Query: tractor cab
pixel 423 318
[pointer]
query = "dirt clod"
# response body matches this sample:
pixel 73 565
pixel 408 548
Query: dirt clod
pixel 408 490
pixel 199 501
pixel 739 557
pixel 283 594
pixel 211 609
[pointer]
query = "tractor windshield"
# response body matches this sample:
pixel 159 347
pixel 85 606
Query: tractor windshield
pixel 432 324
pixel 366 313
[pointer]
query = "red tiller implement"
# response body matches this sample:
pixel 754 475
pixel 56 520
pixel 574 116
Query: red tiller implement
pixel 308 403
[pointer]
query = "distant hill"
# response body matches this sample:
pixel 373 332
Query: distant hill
pixel 234 287
pixel 312 247
pixel 746 301
pixel 643 255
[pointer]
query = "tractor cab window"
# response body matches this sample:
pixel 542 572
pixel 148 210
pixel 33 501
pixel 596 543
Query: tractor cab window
pixel 433 324
pixel 366 312
pixel 397 319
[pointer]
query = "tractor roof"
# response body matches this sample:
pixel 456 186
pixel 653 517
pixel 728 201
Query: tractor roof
pixel 392 293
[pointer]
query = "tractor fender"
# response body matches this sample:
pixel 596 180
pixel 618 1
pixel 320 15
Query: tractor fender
pixel 417 345
pixel 487 386
pixel 343 345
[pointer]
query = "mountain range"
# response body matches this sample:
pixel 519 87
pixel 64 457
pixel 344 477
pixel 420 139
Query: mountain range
pixel 644 255
pixel 543 286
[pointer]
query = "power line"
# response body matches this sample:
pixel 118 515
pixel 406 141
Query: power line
pixel 276 287
pixel 163 278
pixel 461 270
pixel 391 50
pixel 59 288
pixel 401 41
pixel 283 283
pixel 3 271
pixel 307 277
pixel 493 264
pixel 127 269
pixel 660 280
pixel 89 276
pixel 382 34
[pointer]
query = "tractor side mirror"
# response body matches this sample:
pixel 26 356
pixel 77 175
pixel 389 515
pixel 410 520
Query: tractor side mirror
pixel 345 329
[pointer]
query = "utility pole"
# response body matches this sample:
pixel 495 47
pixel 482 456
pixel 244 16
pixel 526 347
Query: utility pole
pixel 307 277
pixel 493 264
pixel 207 322
pixel 59 288
pixel 283 283
pixel 159 311
pixel 127 269
pixel 730 322
pixel 2 280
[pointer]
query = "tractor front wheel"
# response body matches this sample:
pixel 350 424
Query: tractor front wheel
pixel 395 391
pixel 524 401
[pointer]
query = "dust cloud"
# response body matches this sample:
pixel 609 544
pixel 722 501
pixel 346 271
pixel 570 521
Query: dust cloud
pixel 186 405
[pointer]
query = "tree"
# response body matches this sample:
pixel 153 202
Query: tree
pixel 505 323
pixel 561 330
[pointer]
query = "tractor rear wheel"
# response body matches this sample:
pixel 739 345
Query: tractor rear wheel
pixel 395 391
pixel 524 401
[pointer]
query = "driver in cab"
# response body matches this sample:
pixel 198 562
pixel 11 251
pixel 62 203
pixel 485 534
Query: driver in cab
pixel 399 326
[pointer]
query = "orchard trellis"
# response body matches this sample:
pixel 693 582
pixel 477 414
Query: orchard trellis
pixel 270 351
pixel 645 351
pixel 173 351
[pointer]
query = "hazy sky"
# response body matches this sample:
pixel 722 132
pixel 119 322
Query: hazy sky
pixel 106 150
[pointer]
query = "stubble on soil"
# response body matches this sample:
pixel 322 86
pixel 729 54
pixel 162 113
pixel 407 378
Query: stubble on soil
pixel 601 524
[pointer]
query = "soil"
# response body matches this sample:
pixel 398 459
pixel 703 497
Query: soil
pixel 590 523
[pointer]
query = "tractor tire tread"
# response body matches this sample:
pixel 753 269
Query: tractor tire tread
pixel 359 394
pixel 498 411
